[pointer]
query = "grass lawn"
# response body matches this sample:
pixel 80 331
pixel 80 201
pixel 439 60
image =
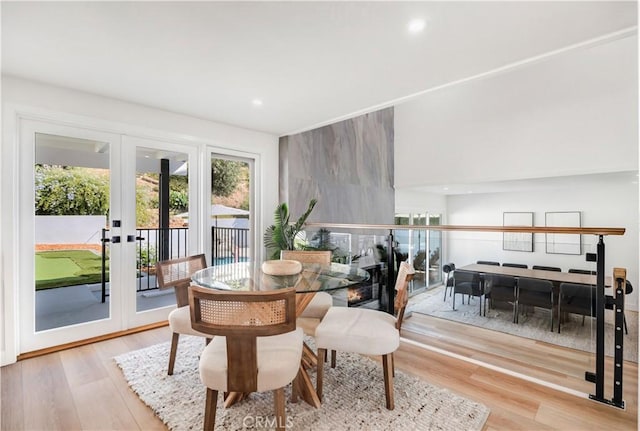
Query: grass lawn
pixel 67 268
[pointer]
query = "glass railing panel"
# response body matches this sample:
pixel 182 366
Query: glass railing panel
pixel 502 322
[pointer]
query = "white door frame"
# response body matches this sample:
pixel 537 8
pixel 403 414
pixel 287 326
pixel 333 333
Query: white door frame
pixel 12 264
pixel 254 162
pixel 130 143
pixel 29 339
pixel 122 299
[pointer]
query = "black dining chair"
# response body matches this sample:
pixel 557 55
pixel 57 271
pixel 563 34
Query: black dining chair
pixel 581 271
pixel 488 262
pixel 515 265
pixel 467 283
pixel 535 292
pixel 501 288
pixel 448 270
pixel 547 268
pixel 576 299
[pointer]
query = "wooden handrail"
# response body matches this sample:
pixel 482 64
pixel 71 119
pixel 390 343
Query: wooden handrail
pixel 527 229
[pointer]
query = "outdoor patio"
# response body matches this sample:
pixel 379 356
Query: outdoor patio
pixel 71 305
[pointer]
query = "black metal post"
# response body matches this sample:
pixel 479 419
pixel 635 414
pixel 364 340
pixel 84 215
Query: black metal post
pixel 103 275
pixel 618 359
pixel 600 300
pixel 391 279
pixel 163 204
pixel 214 239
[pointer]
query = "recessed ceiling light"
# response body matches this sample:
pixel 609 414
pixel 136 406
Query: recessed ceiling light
pixel 256 102
pixel 416 25
pixel 446 188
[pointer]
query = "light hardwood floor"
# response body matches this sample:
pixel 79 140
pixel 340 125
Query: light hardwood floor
pixel 82 389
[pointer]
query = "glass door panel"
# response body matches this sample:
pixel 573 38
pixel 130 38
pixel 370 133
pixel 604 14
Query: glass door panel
pixel 93 224
pixel 72 188
pixel 230 223
pixel 68 197
pixel 162 220
pixel 435 251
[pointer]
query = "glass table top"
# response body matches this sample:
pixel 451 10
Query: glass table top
pixel 248 276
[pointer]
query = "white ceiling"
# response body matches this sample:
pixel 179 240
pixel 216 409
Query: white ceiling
pixel 311 63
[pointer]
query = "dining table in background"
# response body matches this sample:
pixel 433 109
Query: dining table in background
pixel 556 277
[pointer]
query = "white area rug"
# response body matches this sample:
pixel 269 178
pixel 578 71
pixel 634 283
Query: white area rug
pixel 353 398
pixel 534 325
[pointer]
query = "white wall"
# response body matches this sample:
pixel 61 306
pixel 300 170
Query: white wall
pixel 610 205
pixel 575 113
pixel 54 229
pixel 39 100
pixel 409 201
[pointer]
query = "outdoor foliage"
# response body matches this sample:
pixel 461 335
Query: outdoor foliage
pixel 178 193
pixel 225 175
pixel 282 235
pixel 143 203
pixel 70 191
pixel 178 201
pixel 146 256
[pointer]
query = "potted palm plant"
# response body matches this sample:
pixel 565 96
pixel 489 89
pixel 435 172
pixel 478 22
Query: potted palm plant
pixel 282 234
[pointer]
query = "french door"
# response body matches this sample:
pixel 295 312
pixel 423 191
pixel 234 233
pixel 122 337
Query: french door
pixel 96 210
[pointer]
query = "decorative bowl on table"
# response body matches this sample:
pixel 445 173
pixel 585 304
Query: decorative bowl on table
pixel 281 267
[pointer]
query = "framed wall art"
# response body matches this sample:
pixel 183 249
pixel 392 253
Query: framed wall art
pixel 562 243
pixel 517 241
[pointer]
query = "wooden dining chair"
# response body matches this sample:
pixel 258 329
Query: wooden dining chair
pixel 257 346
pixel 365 331
pixel 321 301
pixel 177 273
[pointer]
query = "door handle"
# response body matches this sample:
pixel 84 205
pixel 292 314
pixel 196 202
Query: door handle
pixel 133 238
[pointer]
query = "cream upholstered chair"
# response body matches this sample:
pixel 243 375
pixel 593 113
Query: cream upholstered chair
pixel 257 347
pixel 177 273
pixel 322 301
pixel 364 331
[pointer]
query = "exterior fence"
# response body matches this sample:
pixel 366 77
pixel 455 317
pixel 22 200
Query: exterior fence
pixel 152 244
pixel 229 245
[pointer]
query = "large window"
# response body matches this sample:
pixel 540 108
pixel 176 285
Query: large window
pixel 421 247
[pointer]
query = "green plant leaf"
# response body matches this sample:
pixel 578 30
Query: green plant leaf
pixel 282 235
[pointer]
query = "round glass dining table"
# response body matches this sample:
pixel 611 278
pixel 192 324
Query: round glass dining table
pixel 247 276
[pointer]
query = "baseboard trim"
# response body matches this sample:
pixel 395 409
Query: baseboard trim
pixel 53 349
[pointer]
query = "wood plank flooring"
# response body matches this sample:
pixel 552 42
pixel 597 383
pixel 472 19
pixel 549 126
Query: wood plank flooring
pixel 82 389
pixel 547 362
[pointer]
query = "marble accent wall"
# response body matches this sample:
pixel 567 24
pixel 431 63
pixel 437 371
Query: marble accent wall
pixel 347 166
